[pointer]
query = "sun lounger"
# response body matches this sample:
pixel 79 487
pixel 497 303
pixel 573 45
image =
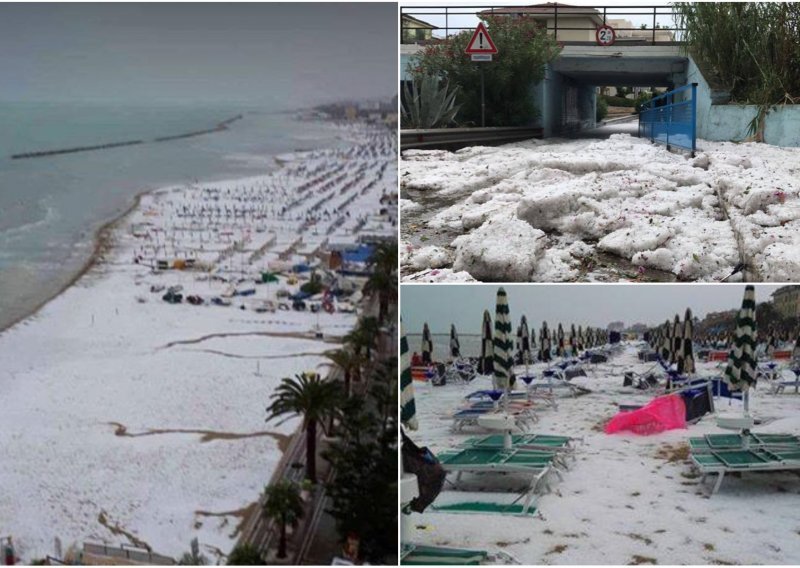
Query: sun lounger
pixel 563 444
pixel 485 508
pixel 741 460
pixel 780 386
pixel 711 442
pixel 415 555
pixel 536 464
pixel 524 417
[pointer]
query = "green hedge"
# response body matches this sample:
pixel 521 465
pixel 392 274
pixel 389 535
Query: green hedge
pixel 618 101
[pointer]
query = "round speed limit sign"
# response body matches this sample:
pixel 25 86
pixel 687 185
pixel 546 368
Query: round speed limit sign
pixel 605 35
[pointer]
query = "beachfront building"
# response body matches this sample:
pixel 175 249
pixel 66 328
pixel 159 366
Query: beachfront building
pixel 415 30
pixel 787 301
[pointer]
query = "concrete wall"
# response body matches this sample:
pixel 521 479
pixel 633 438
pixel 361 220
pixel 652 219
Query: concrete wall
pixel 730 122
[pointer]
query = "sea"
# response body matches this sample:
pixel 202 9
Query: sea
pixel 51 207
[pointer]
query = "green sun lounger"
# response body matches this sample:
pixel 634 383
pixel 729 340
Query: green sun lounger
pixel 416 555
pixel 741 460
pixel 711 442
pixel 537 464
pixel 522 442
pixel 486 508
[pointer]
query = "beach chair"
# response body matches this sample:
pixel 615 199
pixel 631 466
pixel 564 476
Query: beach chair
pixel 420 555
pixel 553 379
pixel 564 446
pixel 523 416
pixel 760 459
pixel 717 442
pixel 536 465
pixel 780 386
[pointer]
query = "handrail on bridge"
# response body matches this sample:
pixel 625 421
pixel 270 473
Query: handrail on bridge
pixel 544 11
pixel 670 121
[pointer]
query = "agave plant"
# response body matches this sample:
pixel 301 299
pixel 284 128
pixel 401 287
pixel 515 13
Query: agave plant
pixel 429 103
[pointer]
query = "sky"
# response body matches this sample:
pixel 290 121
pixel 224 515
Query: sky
pixel 286 53
pixel 582 304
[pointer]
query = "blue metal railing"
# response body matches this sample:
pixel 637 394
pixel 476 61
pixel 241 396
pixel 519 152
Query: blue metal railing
pixel 671 118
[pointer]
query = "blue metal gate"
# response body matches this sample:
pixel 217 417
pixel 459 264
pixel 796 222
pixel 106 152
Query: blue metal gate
pixel 671 118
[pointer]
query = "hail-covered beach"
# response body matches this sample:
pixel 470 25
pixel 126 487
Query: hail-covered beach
pixel 131 418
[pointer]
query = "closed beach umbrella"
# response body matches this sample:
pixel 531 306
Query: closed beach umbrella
pixel 427 344
pixel 455 346
pixel 525 341
pixel 560 339
pixel 666 343
pixel 796 350
pixel 573 340
pixel 677 341
pixel 688 348
pixel 503 343
pixel 740 373
pixel 581 339
pixel 486 364
pixel 408 408
pixel 544 343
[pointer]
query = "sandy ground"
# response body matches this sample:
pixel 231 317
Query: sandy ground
pixel 627 499
pixel 128 420
pixel 604 209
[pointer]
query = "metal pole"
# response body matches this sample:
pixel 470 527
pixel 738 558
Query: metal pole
pixel 654 25
pixel 483 101
pixel 694 118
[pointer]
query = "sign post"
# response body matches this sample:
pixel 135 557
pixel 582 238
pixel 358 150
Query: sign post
pixel 481 48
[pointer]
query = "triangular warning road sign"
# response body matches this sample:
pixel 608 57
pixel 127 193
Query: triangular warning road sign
pixel 481 42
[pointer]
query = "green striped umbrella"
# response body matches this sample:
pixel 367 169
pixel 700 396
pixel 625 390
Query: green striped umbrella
pixel 688 366
pixel 455 346
pixel 503 343
pixel 427 344
pixel 560 341
pixel 741 371
pixel 408 408
pixel 486 364
pixel 581 339
pixel 666 343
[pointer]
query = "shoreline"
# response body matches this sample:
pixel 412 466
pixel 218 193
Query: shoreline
pixel 100 244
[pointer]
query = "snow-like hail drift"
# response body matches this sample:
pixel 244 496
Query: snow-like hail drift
pixel 542 210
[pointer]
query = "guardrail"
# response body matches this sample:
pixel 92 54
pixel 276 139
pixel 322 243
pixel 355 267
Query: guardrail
pixel 650 24
pixel 671 118
pixel 455 138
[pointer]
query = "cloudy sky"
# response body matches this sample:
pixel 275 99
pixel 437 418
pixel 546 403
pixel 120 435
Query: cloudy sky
pixel 273 53
pixel 585 304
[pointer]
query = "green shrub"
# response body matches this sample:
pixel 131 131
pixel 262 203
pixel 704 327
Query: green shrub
pixel 602 109
pixel 524 49
pixel 618 101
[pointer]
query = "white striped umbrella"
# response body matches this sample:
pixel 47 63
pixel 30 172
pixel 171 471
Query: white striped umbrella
pixel 503 344
pixel 427 344
pixel 560 341
pixel 408 408
pixel 455 346
pixel 740 373
pixel 581 339
pixel 688 349
pixel 486 364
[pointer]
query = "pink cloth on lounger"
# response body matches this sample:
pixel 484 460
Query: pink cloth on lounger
pixel 663 413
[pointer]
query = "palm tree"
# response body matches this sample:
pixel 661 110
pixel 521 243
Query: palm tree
pixel 383 280
pixel 284 505
pixel 316 399
pixel 349 362
pixel 364 336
